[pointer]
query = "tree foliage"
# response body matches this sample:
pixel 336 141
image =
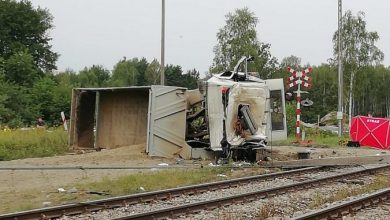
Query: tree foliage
pixel 95 76
pixel 358 44
pixel 358 50
pixel 291 61
pixel 125 73
pixel 24 29
pixel 29 89
pixel 152 73
pixel 239 38
pixel 20 69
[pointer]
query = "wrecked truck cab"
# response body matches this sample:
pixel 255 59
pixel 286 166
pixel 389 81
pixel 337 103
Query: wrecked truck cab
pixel 237 110
pixel 237 115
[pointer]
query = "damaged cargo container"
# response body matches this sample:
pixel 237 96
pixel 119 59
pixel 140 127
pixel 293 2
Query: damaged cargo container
pixel 124 116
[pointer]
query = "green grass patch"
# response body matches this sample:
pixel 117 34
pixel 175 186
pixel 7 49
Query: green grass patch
pixel 18 144
pixel 316 138
pixel 154 180
pixel 149 181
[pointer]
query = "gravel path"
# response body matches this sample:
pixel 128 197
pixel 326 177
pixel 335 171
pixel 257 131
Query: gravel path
pixel 284 205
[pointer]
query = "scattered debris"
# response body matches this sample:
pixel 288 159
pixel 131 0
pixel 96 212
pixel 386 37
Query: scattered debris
pixel 222 175
pixel 73 190
pixel 46 204
pixel 213 165
pixel 142 189
pixel 260 162
pixel 242 163
pixel 98 193
pixel 267 159
pixel 163 164
pixel 61 190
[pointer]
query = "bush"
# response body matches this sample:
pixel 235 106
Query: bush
pixel 291 117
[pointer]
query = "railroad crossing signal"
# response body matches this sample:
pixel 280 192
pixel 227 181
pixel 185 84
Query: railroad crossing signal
pixel 298 79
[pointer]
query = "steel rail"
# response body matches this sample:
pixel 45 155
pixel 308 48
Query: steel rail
pixel 245 197
pixel 100 167
pixel 348 207
pixel 120 201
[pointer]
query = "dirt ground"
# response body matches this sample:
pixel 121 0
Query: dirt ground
pixel 291 152
pixel 25 182
pixel 120 157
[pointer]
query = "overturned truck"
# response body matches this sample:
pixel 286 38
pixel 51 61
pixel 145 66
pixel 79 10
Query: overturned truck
pixel 232 114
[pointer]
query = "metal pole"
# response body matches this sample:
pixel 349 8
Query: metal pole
pixel 162 75
pixel 340 72
pixel 298 112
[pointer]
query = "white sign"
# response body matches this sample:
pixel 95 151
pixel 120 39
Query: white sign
pixel 64 121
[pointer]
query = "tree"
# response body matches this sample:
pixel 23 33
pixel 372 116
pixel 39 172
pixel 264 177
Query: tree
pixel 95 76
pixel 358 49
pixel 15 105
pixel 20 69
pixel 43 95
pixel 191 79
pixel 67 78
pixel 24 29
pixel 125 73
pixel 291 61
pixel 239 38
pixel 141 68
pixel 152 73
pixel 173 75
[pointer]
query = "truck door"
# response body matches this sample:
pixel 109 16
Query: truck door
pixel 276 125
pixel 167 122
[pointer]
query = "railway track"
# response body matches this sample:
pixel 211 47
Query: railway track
pixel 187 209
pixel 120 201
pixel 111 203
pixel 349 207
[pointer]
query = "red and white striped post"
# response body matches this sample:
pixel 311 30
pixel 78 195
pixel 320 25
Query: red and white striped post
pixel 299 78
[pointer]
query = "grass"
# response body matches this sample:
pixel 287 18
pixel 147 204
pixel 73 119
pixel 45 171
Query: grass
pixel 380 182
pixel 18 201
pixel 154 180
pixel 267 210
pixel 18 144
pixel 317 137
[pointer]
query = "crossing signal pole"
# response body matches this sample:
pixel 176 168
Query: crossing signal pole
pixel 299 79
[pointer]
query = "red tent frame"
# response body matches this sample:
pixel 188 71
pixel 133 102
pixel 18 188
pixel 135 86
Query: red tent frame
pixel 372 132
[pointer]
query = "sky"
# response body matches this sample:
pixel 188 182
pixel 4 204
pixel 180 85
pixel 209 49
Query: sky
pixel 102 32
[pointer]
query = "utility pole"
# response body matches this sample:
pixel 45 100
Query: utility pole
pixel 162 42
pixel 340 71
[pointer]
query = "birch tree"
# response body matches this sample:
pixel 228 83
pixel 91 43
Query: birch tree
pixel 239 38
pixel 358 49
